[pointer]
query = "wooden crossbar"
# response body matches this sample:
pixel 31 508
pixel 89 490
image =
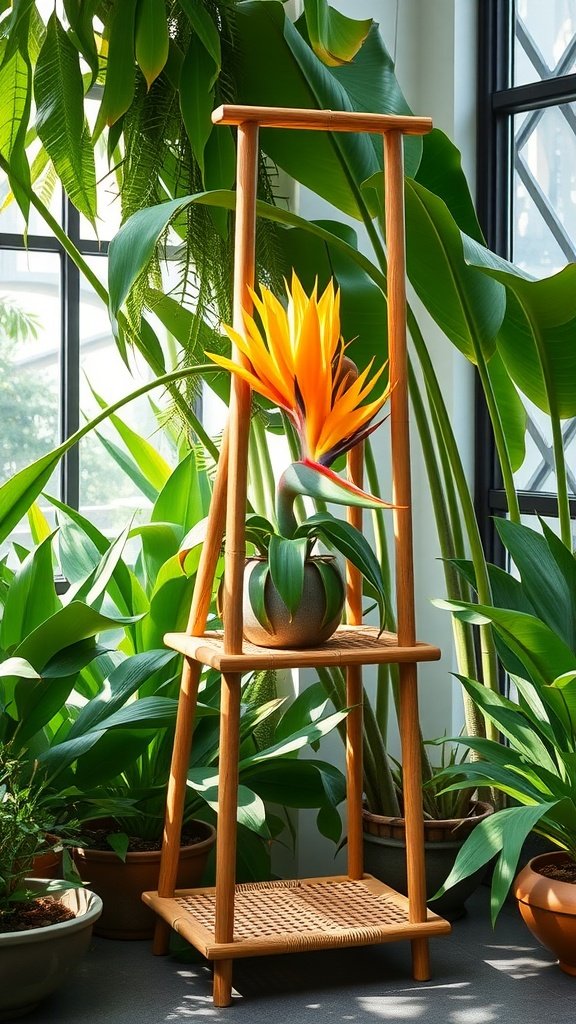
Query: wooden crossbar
pixel 321 120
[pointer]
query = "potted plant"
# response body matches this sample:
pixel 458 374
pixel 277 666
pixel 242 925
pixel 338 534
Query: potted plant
pixel 534 620
pixel 295 358
pixel 449 818
pixel 45 926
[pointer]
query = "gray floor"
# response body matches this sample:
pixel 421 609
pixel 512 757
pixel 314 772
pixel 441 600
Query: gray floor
pixel 480 976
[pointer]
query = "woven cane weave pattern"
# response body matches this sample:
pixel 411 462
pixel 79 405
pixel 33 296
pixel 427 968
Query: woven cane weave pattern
pixel 267 911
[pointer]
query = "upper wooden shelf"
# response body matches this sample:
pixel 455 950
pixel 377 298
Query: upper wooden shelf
pixel 350 645
pixel 321 120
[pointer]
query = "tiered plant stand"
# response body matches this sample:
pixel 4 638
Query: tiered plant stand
pixel 229 920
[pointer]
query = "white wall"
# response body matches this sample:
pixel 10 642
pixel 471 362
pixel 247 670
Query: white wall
pixel 435 48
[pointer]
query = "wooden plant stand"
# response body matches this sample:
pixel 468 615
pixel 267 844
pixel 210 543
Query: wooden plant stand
pixel 229 920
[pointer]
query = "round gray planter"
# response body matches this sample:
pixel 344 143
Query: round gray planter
pixel 34 963
pixel 385 856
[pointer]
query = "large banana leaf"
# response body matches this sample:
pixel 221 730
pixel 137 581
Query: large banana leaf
pixel 536 340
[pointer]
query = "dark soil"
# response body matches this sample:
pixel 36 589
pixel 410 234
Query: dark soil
pixel 97 839
pixel 560 872
pixel 36 914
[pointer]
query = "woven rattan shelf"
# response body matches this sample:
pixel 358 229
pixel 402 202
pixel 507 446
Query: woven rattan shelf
pixel 350 645
pixel 290 917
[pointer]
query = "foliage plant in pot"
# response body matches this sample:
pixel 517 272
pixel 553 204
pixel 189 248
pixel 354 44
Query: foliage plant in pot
pixel 296 359
pixel 449 818
pixel 45 925
pixel 534 618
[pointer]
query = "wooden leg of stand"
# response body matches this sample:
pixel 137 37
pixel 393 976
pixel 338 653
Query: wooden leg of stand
pixel 176 794
pixel 223 982
pixel 412 783
pixel 354 776
pixel 226 834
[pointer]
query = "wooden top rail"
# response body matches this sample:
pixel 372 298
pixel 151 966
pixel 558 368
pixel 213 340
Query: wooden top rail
pixel 321 120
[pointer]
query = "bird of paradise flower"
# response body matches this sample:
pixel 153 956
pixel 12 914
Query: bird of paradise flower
pixel 298 362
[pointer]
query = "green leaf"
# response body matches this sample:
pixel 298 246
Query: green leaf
pixel 144 713
pixel 251 812
pixel 185 496
pixel 308 734
pixel 18 667
pixel 535 340
pixel 550 585
pixel 80 14
pixel 354 546
pixel 307 708
pixel 502 833
pixel 121 684
pixel 66 627
pixel 332 165
pixel 149 461
pixel 333 588
pixel 197 97
pixel 317 481
pixel 60 120
pixel 455 294
pixel 541 651
pixel 257 593
pixel 329 823
pixel 334 38
pixel 286 559
pixel 440 171
pixel 129 467
pixel 205 28
pixel 119 842
pixel 31 597
pixel 120 78
pixel 512 410
pixel 152 38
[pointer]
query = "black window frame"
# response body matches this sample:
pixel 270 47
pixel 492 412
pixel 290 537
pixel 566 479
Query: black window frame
pixel 498 102
pixel 69 384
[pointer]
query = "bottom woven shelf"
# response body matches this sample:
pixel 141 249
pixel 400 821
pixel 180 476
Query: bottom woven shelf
pixel 293 916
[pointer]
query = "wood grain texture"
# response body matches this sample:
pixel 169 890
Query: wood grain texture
pixel 321 120
pixel 402 498
pixel 226 831
pixel 350 645
pixel 239 421
pixel 354 690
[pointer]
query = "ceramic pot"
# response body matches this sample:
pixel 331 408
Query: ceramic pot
pixel 121 883
pixel 385 855
pixel 307 627
pixel 548 907
pixel 34 963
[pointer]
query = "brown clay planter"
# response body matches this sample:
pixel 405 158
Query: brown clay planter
pixel 548 907
pixel 49 863
pixel 385 855
pixel 121 883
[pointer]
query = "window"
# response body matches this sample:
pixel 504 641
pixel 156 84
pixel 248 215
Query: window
pixel 526 199
pixel 58 358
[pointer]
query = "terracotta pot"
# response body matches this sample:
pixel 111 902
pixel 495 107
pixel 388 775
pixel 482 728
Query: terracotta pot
pixel 385 855
pixel 307 627
pixel 48 864
pixel 548 907
pixel 121 883
pixel 34 963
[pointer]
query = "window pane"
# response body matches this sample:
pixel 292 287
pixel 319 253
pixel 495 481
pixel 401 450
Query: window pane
pixel 544 189
pixel 11 219
pixel 545 39
pixel 108 496
pixel 537 471
pixel 30 332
